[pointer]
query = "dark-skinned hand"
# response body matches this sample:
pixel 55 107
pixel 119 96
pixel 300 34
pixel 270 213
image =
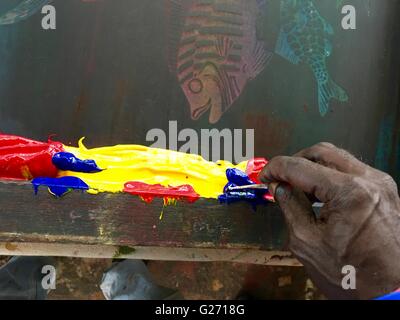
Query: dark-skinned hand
pixel 359 224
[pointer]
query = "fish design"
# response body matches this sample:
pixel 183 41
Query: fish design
pixel 214 50
pixel 24 10
pixel 304 38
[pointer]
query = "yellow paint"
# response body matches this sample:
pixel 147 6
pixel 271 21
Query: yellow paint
pixel 26 173
pixel 124 163
pixel 167 202
pixel 170 202
pixel 162 211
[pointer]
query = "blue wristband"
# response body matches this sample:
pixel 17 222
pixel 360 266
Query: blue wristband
pixel 391 296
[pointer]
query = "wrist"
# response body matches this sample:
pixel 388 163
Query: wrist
pixel 380 281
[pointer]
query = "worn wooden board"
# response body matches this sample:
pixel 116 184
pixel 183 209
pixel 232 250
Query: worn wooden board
pixel 250 256
pixel 125 220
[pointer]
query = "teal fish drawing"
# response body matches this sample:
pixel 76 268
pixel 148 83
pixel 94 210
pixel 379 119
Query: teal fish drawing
pixel 25 9
pixel 304 38
pixel 22 11
pixel 215 50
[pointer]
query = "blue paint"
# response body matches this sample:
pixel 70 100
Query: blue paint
pixel 304 38
pixel 238 178
pixel 68 162
pixel 249 197
pixel 234 196
pixel 59 186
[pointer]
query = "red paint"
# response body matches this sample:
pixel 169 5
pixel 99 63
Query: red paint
pixel 269 197
pixel 253 169
pixel 149 192
pixel 25 159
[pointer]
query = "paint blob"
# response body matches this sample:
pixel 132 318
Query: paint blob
pixel 25 159
pixel 169 194
pixel 146 172
pixel 123 163
pixel 254 167
pixel 68 162
pixel 60 186
pixel 238 178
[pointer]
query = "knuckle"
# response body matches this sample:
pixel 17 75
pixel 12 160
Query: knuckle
pixel 279 162
pixel 319 151
pixel 364 191
pixel 355 182
pixel 388 186
pixel 325 145
pixel 388 180
pixel 275 168
pixel 293 164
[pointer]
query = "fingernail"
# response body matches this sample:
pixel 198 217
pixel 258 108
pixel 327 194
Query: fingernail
pixel 280 191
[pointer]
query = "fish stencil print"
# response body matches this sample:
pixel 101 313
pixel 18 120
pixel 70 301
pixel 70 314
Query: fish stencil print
pixel 22 11
pixel 304 38
pixel 214 51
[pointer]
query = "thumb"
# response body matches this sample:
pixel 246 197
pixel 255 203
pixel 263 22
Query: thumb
pixel 296 207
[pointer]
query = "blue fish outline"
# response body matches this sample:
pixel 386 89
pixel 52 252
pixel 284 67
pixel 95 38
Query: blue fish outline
pixel 298 19
pixel 22 11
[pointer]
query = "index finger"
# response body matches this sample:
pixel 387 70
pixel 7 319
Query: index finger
pixel 310 177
